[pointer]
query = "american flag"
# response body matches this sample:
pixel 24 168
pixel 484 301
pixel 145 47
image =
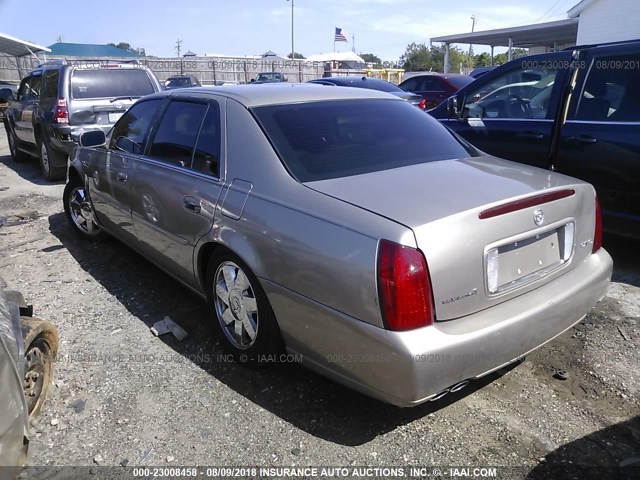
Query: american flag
pixel 340 36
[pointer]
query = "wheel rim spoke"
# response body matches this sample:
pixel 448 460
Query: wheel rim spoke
pixel 228 317
pixel 222 293
pixel 242 282
pixel 229 276
pixel 249 327
pixel 250 305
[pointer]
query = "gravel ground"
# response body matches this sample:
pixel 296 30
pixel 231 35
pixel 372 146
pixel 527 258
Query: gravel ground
pixel 123 396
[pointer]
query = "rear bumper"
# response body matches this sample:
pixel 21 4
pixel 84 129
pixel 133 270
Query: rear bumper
pixel 408 368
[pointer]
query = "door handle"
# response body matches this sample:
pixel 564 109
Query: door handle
pixel 122 177
pixel 583 139
pixel 530 135
pixel 192 204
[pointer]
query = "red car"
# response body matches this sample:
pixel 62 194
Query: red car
pixel 435 87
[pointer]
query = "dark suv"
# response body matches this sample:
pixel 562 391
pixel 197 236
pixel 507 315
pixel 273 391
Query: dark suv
pixel 58 101
pixel 575 111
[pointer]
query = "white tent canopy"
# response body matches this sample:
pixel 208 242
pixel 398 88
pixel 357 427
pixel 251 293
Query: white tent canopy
pixel 336 57
pixel 18 48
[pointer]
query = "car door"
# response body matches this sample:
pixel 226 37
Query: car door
pixel 110 170
pixel 178 182
pixel 599 140
pixel 511 114
pixel 28 94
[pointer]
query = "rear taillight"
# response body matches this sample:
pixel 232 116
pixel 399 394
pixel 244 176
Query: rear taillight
pixel 597 235
pixel 422 104
pixel 404 287
pixel 61 114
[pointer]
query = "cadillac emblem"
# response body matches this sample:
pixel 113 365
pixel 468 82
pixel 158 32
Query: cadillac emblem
pixel 538 217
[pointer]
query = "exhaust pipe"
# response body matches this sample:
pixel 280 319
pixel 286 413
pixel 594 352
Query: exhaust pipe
pixel 453 389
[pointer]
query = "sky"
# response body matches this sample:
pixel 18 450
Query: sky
pixel 251 27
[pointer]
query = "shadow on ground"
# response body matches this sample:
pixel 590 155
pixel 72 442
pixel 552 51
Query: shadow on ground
pixel 626 259
pixel 610 453
pixel 304 399
pixel 28 169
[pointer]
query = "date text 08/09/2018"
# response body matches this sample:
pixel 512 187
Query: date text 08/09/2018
pixel 316 472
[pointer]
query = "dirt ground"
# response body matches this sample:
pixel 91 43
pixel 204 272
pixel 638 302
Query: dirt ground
pixel 124 396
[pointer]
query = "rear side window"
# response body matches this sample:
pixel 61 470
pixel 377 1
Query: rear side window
pixel 177 133
pixel 30 88
pixel 110 83
pixel 324 140
pixel 131 131
pixel 611 92
pixel 50 87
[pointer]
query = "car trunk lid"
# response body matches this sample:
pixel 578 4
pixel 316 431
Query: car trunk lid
pixel 488 228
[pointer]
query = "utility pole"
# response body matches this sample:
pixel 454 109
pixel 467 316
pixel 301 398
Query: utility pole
pixel 293 52
pixel 177 49
pixel 353 43
pixel 473 27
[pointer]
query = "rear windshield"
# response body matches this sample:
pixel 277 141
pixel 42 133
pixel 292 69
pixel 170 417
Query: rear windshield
pixel 333 139
pixel 380 86
pixel 110 83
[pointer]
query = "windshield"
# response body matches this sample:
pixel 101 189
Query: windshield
pixel 333 139
pixel 110 83
pixel 178 82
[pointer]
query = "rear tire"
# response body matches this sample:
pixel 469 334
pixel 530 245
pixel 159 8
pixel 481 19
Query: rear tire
pixel 243 315
pixel 79 212
pixel 52 163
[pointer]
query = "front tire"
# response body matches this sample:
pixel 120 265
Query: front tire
pixel 243 316
pixel 79 211
pixel 17 155
pixel 41 347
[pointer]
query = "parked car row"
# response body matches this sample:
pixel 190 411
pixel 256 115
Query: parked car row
pixel 575 112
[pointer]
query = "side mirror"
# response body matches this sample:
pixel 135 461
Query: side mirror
pixel 453 107
pixel 94 138
pixel 6 95
pixel 252 80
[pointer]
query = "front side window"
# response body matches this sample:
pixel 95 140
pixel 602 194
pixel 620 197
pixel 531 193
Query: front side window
pixel 29 89
pixel 177 133
pixel 131 131
pixel 518 93
pixel 611 92
pixel 333 139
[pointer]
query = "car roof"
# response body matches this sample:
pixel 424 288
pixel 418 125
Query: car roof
pixel 280 93
pixel 349 80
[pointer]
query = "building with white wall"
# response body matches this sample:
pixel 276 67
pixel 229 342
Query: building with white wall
pixel 601 21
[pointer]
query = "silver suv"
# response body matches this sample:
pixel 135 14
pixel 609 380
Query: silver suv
pixel 59 100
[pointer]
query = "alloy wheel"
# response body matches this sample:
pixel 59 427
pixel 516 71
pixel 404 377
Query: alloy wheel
pixel 82 212
pixel 236 305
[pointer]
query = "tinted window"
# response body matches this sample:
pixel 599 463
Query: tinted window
pixel 50 89
pixel 206 157
pixel 178 82
pixel 110 83
pixel 134 126
pixel 410 84
pixel 517 93
pixel 30 88
pixel 177 132
pixel 611 94
pixel 323 140
pixel 377 85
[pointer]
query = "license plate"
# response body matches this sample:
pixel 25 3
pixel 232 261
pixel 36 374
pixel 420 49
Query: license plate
pixel 114 117
pixel 519 262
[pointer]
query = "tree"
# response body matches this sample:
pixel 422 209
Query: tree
pixel 418 57
pixel 482 60
pixel 371 58
pixel 503 58
pixel 297 55
pixel 126 46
